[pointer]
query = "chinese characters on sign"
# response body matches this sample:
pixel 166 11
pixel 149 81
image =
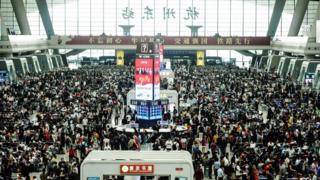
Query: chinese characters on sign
pixel 148 13
pixel 191 13
pixel 133 40
pixel 127 13
pixel 168 12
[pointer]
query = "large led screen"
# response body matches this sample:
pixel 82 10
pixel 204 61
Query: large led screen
pixel 143 79
pixel 156 79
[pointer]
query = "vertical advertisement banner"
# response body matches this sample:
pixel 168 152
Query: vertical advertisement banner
pixel 156 95
pixel 200 58
pixel 162 65
pixel 144 79
pixel 120 57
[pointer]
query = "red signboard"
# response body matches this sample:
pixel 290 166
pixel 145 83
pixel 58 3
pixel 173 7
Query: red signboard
pixel 167 40
pixel 136 168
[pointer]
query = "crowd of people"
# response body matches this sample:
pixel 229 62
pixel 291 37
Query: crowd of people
pixel 240 123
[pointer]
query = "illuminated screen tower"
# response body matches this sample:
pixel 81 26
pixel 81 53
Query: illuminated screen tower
pixel 147 84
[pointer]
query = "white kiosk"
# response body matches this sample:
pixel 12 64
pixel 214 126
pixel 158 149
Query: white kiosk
pixel 307 68
pixel 7 65
pixel 33 64
pixel 21 65
pixel 45 62
pixel 273 62
pixel 283 66
pixel 104 165
pixel 294 68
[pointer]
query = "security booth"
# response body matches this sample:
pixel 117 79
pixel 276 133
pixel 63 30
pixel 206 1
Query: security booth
pixel 263 62
pixel 7 65
pixel 33 64
pixel 45 62
pixel 294 68
pixel 21 66
pixel 283 66
pixel 273 63
pixel 307 71
pixel 107 165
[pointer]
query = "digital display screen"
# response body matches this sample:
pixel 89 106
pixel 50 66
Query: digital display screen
pixel 156 79
pixel 143 112
pixel 309 77
pixel 144 79
pixel 4 76
pixel 155 112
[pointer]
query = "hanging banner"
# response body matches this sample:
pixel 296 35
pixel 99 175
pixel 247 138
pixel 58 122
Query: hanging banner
pixel 167 40
pixel 120 57
pixel 200 58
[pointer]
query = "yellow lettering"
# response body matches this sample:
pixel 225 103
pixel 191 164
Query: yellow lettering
pixel 220 41
pixel 100 40
pixel 186 41
pixel 229 41
pixel 247 41
pixel 151 39
pixel 109 40
pixel 117 40
pixel 177 40
pixel 91 40
pixel 204 41
pixel 195 41
pixel 134 40
pixel 238 41
pixel 143 39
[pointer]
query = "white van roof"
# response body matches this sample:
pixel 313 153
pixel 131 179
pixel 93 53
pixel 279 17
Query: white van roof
pixel 143 156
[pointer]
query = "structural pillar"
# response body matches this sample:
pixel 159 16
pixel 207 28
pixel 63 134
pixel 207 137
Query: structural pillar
pixel 298 15
pixel 275 17
pixel 126 29
pixel 21 16
pixel 314 25
pixel 4 32
pixel 194 30
pixel 45 16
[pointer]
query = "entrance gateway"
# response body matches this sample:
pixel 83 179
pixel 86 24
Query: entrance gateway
pixel 122 165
